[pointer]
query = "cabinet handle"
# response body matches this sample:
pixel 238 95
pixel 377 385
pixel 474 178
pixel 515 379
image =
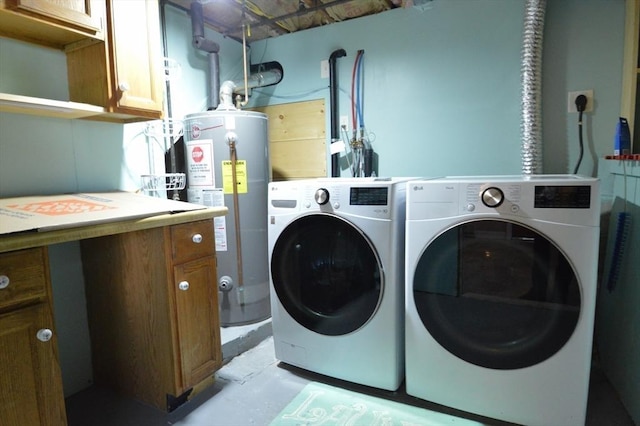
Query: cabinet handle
pixel 44 334
pixel 124 86
pixel 197 238
pixel 183 285
pixel 4 281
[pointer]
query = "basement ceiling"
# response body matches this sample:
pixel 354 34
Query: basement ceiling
pixel 271 18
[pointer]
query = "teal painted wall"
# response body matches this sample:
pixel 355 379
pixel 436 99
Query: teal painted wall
pixel 442 86
pixel 442 96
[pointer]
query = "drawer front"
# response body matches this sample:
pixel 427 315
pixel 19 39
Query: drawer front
pixel 23 276
pixel 192 240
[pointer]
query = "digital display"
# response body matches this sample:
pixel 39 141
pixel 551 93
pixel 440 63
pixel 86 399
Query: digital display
pixel 562 197
pixel 368 196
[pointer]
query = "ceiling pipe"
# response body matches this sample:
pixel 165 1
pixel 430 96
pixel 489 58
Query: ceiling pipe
pixel 209 46
pixel 221 96
pixel 333 101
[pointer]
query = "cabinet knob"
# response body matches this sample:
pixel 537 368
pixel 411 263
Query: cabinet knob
pixel 44 334
pixel 124 86
pixel 197 238
pixel 4 281
pixel 183 285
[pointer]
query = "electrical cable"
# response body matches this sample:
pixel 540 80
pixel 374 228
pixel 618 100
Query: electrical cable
pixel 300 95
pixel 581 105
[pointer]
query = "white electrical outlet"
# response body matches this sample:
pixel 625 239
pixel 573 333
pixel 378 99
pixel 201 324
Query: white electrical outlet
pixel 324 68
pixel 571 100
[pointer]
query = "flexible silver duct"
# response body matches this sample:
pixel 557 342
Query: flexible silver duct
pixel 531 74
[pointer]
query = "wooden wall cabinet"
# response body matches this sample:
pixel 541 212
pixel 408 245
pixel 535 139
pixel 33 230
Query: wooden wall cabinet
pixel 52 23
pixel 30 376
pixel 631 72
pixel 153 311
pixel 124 74
pixel 114 56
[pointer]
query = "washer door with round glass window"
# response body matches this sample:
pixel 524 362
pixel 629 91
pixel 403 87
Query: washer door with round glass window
pixel 497 294
pixel 326 274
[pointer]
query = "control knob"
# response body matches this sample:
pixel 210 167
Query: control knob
pixel 492 197
pixel 322 196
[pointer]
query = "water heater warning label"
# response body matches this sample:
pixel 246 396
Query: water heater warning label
pixel 200 164
pixel 241 177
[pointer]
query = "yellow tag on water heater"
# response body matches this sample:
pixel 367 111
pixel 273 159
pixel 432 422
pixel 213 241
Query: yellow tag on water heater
pixel 242 186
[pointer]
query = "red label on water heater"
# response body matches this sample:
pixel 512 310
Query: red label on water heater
pixel 197 154
pixel 200 164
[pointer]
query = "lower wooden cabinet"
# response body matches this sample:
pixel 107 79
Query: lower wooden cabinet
pixel 153 311
pixel 30 378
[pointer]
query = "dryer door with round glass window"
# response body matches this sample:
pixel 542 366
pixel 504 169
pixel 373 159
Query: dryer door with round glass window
pixel 326 274
pixel 496 294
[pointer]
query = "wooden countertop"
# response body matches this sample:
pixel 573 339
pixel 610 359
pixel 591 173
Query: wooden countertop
pixel 25 240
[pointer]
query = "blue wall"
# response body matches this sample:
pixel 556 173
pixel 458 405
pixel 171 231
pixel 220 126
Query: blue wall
pixel 442 96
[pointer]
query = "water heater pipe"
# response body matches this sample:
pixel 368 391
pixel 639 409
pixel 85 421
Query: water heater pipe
pixel 209 46
pixel 260 79
pixel 531 75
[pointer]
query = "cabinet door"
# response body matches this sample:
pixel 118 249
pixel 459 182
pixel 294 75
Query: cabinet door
pixel 29 370
pixel 198 325
pixel 69 13
pixel 136 54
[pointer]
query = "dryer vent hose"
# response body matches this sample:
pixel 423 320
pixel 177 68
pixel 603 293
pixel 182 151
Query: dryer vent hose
pixel 531 76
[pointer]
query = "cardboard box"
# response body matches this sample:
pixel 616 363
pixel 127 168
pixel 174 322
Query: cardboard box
pixel 49 212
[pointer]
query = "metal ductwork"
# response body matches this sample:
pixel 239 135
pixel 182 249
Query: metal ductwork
pixel 259 79
pixel 531 74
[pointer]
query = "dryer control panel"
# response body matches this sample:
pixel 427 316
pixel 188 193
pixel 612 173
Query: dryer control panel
pixel 559 199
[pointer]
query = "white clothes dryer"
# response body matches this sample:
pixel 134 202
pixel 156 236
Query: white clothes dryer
pixel 500 294
pixel 336 255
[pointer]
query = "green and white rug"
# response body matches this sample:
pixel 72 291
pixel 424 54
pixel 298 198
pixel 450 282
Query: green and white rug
pixel 320 404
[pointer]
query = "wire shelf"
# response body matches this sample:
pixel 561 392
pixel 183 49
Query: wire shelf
pixel 167 128
pixel 170 181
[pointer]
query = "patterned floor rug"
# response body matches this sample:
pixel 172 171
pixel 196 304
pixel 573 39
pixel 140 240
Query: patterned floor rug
pixel 320 404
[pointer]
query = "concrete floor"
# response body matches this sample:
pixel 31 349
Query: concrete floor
pixel 253 387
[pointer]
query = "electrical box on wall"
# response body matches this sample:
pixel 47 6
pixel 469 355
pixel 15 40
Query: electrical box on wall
pixel 571 100
pixel 324 69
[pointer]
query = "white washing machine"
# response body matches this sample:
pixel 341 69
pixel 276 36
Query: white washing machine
pixel 336 255
pixel 500 295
